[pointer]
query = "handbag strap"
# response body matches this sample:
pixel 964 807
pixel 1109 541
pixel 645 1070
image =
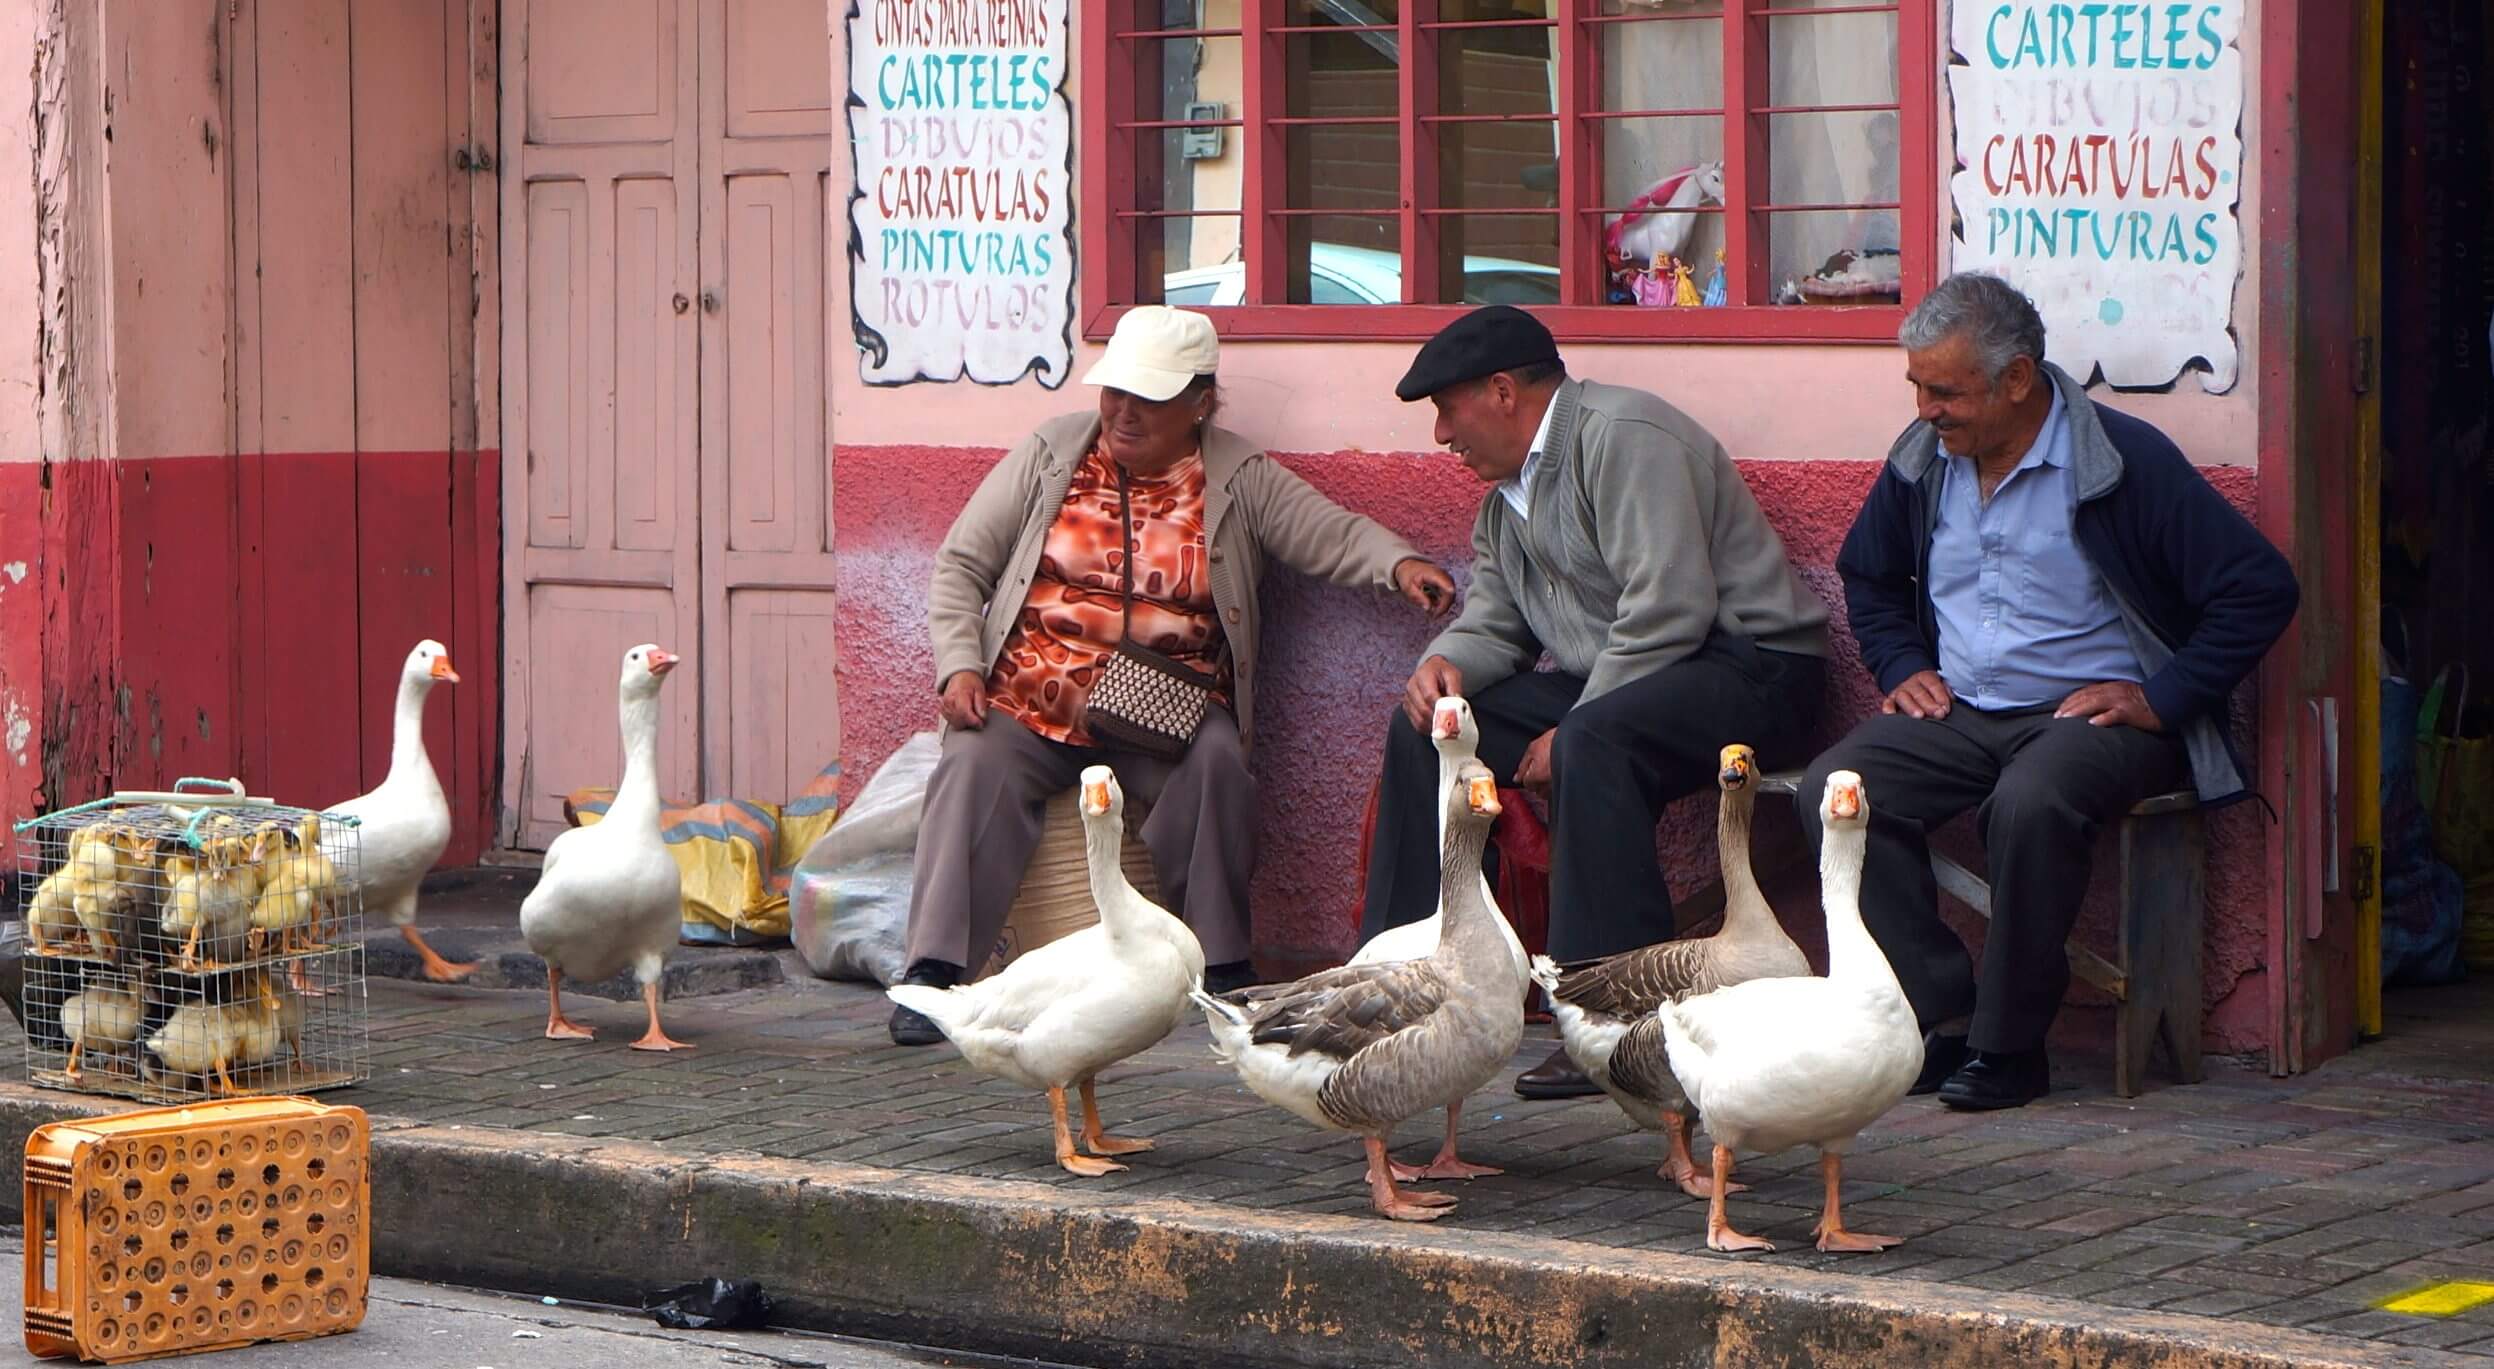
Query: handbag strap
pixel 1125 538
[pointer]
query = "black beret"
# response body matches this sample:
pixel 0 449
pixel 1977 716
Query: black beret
pixel 1493 338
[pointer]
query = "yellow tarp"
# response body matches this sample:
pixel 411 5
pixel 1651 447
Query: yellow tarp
pixel 735 854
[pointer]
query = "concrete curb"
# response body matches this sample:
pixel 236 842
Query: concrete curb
pixel 1098 1278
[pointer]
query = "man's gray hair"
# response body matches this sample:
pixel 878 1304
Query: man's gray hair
pixel 1987 311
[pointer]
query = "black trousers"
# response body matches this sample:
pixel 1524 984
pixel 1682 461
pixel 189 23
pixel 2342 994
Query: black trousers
pixel 2046 787
pixel 1614 764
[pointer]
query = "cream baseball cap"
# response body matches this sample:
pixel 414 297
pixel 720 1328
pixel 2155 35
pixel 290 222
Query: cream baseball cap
pixel 1156 351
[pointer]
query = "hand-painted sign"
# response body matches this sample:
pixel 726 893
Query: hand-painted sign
pixel 961 262
pixel 2100 157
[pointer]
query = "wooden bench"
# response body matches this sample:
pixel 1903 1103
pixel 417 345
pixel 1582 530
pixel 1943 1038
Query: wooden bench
pixel 2155 983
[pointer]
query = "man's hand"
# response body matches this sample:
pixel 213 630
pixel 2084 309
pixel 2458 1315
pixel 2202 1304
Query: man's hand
pixel 1430 589
pixel 965 700
pixel 1533 772
pixel 1923 695
pixel 2115 703
pixel 1436 678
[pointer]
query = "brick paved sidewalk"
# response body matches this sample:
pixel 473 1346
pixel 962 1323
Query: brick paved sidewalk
pixel 2294 1203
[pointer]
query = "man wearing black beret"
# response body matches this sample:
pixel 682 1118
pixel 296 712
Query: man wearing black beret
pixel 1617 537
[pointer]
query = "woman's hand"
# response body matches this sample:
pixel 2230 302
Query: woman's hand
pixel 965 700
pixel 1430 589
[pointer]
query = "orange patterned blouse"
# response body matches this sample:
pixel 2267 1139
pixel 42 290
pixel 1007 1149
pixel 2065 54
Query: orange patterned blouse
pixel 1071 622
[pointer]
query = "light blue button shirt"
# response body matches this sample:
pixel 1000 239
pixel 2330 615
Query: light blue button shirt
pixel 2024 617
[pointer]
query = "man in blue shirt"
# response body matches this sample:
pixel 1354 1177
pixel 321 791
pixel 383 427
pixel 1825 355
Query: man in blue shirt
pixel 2057 608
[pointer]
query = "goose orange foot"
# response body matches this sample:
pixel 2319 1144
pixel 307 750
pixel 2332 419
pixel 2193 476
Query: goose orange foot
pixel 1098 1141
pixel 1833 1238
pixel 1682 1168
pixel 1067 1158
pixel 559 1027
pixel 1445 1165
pixel 437 969
pixel 1402 1207
pixel 1719 1232
pixel 656 1039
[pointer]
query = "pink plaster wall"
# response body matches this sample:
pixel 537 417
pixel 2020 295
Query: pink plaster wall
pixel 21 588
pixel 1334 662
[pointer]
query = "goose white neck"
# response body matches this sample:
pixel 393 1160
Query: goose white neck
pixel 638 793
pixel 1120 904
pixel 408 762
pixel 1853 956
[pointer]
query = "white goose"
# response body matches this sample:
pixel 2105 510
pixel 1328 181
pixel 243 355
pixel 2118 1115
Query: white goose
pixel 609 896
pixel 1605 1008
pixel 1458 740
pixel 1058 1015
pixel 406 821
pixel 1365 1047
pixel 1776 1063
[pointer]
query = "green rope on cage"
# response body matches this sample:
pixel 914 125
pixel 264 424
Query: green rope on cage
pixel 71 811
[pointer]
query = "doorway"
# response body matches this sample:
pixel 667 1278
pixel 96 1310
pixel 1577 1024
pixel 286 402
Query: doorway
pixel 2431 433
pixel 665 203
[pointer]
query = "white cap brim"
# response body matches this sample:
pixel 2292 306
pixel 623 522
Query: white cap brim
pixel 1124 373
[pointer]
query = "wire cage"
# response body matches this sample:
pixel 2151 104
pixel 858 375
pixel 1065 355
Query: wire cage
pixel 182 946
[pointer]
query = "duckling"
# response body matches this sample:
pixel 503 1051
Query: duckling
pixel 120 862
pixel 106 1016
pixel 297 886
pixel 209 897
pixel 52 917
pixel 200 1040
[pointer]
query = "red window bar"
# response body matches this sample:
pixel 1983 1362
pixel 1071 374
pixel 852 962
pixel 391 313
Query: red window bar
pixel 1119 149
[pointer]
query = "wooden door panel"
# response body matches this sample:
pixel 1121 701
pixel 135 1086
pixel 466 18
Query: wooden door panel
pixel 764 426
pixel 556 384
pixel 603 71
pixel 770 720
pixel 784 722
pixel 655 368
pixel 578 635
pixel 778 69
pixel 602 374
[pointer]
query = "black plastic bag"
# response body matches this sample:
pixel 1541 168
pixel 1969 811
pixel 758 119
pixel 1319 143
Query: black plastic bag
pixel 710 1305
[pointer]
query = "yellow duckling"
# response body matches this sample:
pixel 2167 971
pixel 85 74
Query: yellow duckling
pixel 106 1017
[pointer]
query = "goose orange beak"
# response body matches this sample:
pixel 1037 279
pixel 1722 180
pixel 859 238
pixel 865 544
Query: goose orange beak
pixel 1484 795
pixel 1846 802
pixel 1737 768
pixel 442 670
pixel 1095 799
pixel 1444 724
pixel 660 662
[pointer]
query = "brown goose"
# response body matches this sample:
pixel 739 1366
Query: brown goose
pixel 1365 1047
pixel 1605 1008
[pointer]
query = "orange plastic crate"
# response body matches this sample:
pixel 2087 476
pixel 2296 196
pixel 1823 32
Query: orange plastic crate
pixel 174 1230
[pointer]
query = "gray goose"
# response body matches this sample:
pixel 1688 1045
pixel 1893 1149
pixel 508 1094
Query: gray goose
pixel 1605 1008
pixel 1363 1048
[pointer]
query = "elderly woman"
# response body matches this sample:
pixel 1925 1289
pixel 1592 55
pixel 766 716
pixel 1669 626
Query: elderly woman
pixel 1030 601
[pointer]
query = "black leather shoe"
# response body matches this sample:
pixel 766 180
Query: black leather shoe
pixel 1942 1056
pixel 910 1027
pixel 1998 1079
pixel 1229 977
pixel 1556 1077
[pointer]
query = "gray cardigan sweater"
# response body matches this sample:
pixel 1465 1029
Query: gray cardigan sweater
pixel 1643 541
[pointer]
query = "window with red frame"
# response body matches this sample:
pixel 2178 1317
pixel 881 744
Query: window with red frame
pixel 1701 169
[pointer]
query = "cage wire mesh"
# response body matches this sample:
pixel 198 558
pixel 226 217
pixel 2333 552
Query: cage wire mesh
pixel 176 951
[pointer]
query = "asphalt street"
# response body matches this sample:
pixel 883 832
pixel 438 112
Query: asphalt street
pixel 427 1326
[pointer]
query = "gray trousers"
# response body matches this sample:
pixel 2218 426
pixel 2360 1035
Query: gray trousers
pixel 986 804
pixel 2042 787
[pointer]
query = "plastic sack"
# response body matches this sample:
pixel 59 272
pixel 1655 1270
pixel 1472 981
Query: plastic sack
pixel 710 1305
pixel 848 897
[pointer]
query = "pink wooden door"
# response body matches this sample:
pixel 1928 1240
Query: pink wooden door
pixel 602 546
pixel 664 224
pixel 769 721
